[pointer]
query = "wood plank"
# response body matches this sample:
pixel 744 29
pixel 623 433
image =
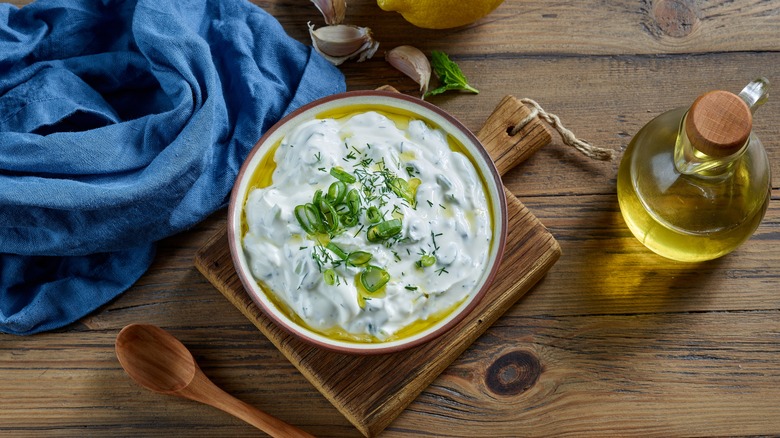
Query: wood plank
pixel 85 389
pixel 675 375
pixel 605 270
pixel 565 28
pixel 596 376
pixel 570 27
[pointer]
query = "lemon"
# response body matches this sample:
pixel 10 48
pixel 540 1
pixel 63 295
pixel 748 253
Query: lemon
pixel 440 14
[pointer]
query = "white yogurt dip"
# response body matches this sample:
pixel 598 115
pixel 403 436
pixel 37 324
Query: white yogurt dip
pixel 427 195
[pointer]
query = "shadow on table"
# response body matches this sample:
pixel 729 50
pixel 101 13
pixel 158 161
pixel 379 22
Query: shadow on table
pixel 615 273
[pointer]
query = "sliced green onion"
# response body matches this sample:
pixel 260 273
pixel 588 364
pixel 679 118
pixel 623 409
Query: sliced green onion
pixel 373 214
pixel 314 218
pixel 426 260
pixel 358 258
pixel 399 186
pixel 317 196
pixel 336 192
pixel 353 202
pixel 309 218
pixel 336 250
pixel 405 189
pixel 330 277
pixel 348 220
pixel 330 218
pixel 300 214
pixel 374 278
pixel 373 234
pixel 383 230
pixel 342 175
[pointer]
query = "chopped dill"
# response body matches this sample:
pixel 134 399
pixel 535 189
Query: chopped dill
pixel 433 238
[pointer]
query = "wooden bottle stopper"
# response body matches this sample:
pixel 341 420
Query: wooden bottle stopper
pixel 718 123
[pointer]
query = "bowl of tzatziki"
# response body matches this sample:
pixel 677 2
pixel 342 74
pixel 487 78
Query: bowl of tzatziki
pixel 367 222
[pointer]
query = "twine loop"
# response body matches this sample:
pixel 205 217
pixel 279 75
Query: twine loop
pixel 567 136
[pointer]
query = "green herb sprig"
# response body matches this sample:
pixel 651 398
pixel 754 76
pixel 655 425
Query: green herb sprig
pixel 450 75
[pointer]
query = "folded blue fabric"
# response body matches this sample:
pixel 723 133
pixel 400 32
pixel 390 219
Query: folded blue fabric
pixel 121 123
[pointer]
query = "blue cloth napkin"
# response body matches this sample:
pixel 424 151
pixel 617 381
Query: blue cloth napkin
pixel 121 123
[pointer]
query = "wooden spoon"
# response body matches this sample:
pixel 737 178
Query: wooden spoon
pixel 159 362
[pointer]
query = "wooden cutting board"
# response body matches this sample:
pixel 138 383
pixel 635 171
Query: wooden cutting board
pixel 371 391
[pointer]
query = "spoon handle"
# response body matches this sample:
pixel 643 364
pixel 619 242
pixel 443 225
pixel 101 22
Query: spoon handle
pixel 205 391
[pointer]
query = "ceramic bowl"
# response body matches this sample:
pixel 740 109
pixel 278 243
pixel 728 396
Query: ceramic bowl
pixel 367 100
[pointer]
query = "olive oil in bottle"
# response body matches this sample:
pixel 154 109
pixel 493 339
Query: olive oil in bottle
pixel 694 182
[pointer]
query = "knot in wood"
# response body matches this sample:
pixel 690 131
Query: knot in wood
pixel 675 18
pixel 513 373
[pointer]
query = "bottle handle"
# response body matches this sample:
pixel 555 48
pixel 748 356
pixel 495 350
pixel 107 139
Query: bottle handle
pixel 755 93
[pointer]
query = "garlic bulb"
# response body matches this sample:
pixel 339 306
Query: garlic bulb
pixel 413 63
pixel 341 42
pixel 332 10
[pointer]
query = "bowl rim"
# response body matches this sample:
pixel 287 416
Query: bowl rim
pixel 236 207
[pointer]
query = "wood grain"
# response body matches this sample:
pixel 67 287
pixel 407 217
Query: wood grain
pixel 618 375
pixel 566 28
pixel 626 343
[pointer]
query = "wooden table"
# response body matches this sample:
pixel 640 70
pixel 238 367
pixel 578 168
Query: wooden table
pixel 613 341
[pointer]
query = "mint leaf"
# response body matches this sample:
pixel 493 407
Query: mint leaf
pixel 449 74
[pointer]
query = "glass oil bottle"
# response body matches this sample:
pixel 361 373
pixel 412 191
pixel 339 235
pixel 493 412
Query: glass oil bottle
pixel 694 183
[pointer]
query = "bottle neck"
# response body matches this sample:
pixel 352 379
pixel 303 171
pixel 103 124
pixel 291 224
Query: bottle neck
pixel 690 161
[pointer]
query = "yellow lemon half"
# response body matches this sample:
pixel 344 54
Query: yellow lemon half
pixel 440 14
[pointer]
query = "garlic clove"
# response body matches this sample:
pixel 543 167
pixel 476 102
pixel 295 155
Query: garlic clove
pixel 332 10
pixel 341 42
pixel 412 62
